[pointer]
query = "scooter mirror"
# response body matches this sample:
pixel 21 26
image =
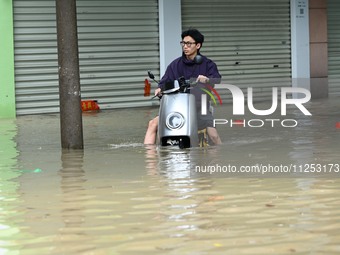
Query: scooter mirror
pixel 151 76
pixel 198 59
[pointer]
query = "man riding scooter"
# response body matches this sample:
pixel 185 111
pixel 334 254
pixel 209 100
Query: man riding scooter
pixel 186 67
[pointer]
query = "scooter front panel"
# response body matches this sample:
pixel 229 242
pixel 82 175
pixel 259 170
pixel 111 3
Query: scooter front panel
pixel 178 119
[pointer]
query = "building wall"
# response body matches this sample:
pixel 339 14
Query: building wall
pixel 7 91
pixel 318 48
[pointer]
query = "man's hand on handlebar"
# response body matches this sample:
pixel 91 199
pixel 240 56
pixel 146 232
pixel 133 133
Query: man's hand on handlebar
pixel 202 79
pixel 158 92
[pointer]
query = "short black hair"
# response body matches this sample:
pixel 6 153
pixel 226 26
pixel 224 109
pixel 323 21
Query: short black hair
pixel 195 34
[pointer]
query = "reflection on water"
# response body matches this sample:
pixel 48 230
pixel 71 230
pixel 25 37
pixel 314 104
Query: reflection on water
pixel 9 197
pixel 120 197
pixel 73 202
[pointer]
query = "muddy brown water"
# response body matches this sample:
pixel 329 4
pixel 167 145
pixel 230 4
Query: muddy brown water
pixel 118 196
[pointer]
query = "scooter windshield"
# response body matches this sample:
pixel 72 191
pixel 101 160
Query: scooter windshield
pixel 171 87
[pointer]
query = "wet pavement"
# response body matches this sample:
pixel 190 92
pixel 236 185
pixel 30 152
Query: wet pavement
pixel 118 196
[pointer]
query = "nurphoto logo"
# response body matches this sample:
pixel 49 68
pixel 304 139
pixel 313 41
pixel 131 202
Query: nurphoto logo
pixel 239 105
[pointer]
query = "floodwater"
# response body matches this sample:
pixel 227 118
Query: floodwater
pixel 118 196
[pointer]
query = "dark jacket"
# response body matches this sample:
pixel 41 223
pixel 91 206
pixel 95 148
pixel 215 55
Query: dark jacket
pixel 189 69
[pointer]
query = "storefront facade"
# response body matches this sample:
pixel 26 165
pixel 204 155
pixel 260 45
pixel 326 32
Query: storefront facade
pixel 251 41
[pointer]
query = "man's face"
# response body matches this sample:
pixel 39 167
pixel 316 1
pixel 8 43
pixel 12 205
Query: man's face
pixel 190 48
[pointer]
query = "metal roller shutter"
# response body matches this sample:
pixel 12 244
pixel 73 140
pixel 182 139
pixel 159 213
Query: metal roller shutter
pixel 248 39
pixel 118 42
pixel 333 10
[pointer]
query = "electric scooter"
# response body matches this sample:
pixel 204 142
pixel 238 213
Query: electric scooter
pixel 177 123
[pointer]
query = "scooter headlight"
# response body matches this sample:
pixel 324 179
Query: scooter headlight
pixel 175 120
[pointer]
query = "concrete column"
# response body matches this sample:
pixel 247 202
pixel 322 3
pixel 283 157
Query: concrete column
pixel 69 78
pixel 170 29
pixel 300 44
pixel 318 48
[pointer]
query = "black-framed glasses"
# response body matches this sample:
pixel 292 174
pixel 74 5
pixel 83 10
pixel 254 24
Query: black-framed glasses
pixel 186 43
